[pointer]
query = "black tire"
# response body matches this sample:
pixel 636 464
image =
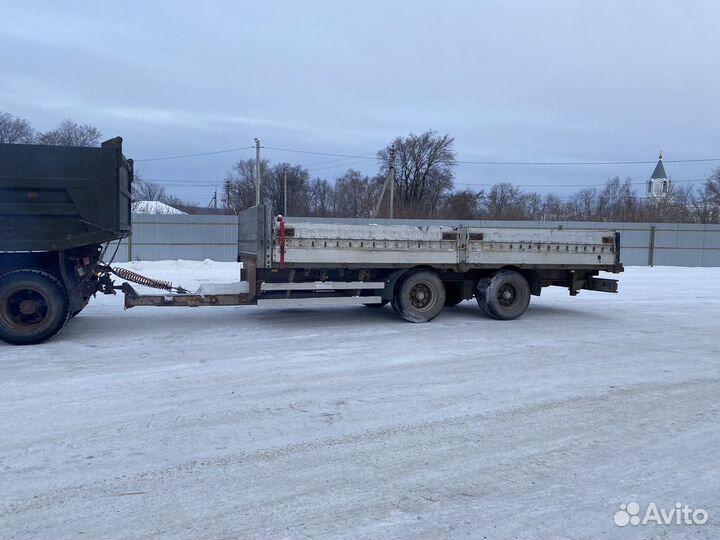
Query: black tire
pixel 505 296
pixel 34 306
pixel 420 296
pixel 453 294
pixel 382 304
pixel 480 295
pixel 394 306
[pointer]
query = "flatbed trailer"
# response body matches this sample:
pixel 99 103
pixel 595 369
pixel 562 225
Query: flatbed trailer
pixel 419 270
pixel 60 205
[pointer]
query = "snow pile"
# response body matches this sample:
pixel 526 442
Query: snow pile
pixel 237 287
pixel 204 277
pixel 155 207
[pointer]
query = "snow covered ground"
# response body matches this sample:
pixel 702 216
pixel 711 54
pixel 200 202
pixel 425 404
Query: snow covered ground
pixel 349 422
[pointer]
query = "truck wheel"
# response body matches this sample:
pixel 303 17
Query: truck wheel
pixel 34 307
pixel 420 297
pixel 505 296
pixel 453 294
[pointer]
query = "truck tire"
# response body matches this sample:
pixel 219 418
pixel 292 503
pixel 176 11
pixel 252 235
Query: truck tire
pixel 34 306
pixel 453 294
pixel 420 296
pixel 505 296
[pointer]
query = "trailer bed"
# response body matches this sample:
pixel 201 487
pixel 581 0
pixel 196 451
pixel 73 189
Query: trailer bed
pixel 305 244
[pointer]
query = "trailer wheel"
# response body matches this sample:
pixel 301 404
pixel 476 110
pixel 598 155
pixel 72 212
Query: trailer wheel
pixel 420 296
pixel 34 306
pixel 505 296
pixel 453 294
pixel 480 295
pixel 394 305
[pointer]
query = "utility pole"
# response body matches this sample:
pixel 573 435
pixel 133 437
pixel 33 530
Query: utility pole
pixel 389 180
pixel 213 201
pixel 391 173
pixel 285 192
pixel 258 183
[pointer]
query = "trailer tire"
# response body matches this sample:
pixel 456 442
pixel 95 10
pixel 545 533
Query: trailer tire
pixel 480 295
pixel 454 294
pixel 34 306
pixel 420 296
pixel 505 296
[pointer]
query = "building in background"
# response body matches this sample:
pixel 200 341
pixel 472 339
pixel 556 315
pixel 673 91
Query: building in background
pixel 659 183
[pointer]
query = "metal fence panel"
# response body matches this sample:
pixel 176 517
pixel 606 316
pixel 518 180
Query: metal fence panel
pixel 199 237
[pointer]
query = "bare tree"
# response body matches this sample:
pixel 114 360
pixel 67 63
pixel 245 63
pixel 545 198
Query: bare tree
pixel 554 208
pixel 14 130
pixel 712 186
pixel 239 185
pixel 534 206
pixel 70 133
pixel 297 187
pixel 617 201
pixel 423 172
pixel 584 205
pixel 505 201
pixel 320 200
pixel 146 191
pixel 356 195
pixel 706 204
pixel 462 204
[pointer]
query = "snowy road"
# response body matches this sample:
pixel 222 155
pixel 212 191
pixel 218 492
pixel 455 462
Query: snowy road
pixel 348 422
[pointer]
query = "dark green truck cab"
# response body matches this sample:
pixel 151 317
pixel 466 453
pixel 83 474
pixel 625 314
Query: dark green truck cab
pixel 58 206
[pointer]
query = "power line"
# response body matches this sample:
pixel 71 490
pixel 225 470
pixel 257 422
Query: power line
pixel 462 162
pixel 294 151
pixel 485 184
pixel 183 156
pixel 558 163
pixel 348 164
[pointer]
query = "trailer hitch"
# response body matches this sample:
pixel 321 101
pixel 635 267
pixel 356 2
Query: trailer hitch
pixel 107 286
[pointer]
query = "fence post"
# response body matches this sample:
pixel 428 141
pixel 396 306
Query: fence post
pixel 651 247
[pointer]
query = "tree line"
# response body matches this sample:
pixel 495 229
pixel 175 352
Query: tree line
pixel 14 130
pixel 424 187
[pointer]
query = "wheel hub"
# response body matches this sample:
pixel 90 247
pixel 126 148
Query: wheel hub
pixel 506 295
pixel 420 296
pixel 23 308
pixel 28 307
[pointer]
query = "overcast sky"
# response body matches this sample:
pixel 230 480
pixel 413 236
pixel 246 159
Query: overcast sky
pixel 511 81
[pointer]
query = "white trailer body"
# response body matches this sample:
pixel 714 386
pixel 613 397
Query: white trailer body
pixel 339 244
